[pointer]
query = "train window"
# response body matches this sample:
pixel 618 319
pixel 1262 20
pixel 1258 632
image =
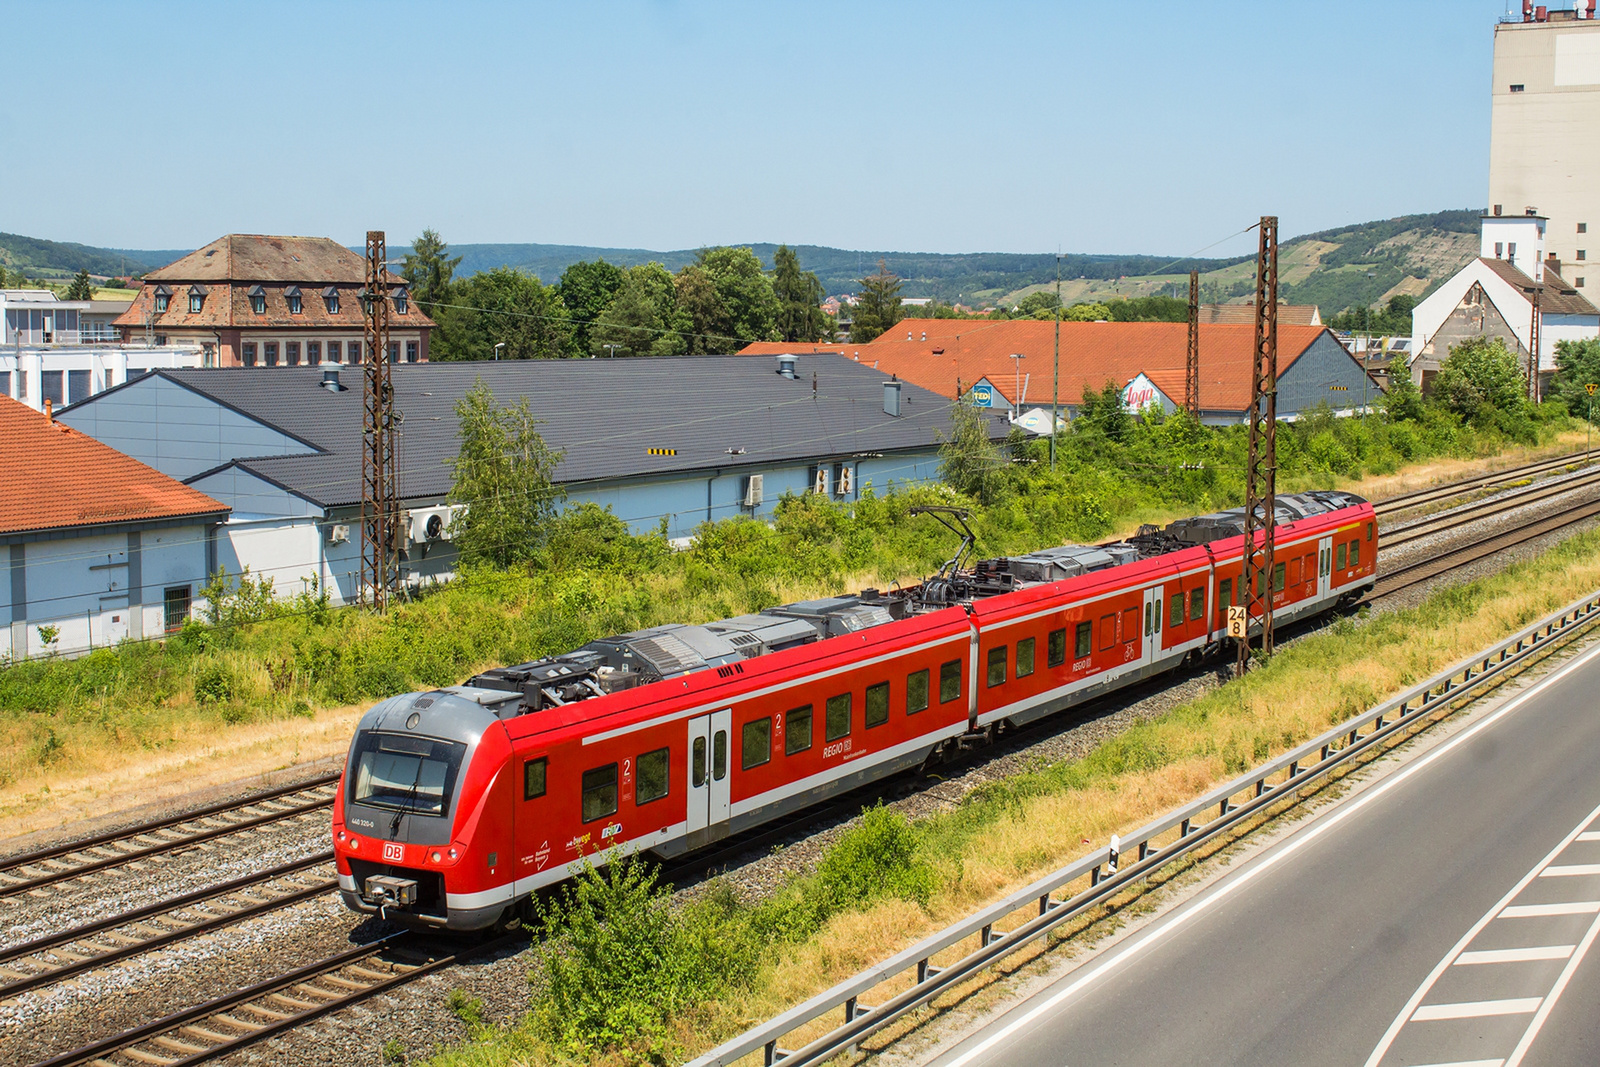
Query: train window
pixel 1370 527
pixel 1083 640
pixel 1338 562
pixel 1224 595
pixel 1147 630
pixel 1175 609
pixel 600 792
pixel 1055 647
pixel 1355 553
pixel 837 724
pixel 1130 625
pixel 1197 603
pixel 1294 571
pixel 797 735
pixel 652 777
pixel 755 744
pixel 917 691
pixel 1279 575
pixel 1108 631
pixel 403 772
pixel 719 755
pixel 997 666
pixel 1024 657
pixel 877 709
pixel 698 763
pixel 533 776
pixel 950 681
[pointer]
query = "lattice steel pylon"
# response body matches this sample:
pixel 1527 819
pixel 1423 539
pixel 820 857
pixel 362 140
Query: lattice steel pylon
pixel 380 500
pixel 1191 375
pixel 1533 342
pixel 1260 496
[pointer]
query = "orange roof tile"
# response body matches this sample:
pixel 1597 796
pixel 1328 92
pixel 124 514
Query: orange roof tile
pixel 57 478
pixel 789 348
pixel 1092 353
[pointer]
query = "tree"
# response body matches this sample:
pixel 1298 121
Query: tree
pixel 1481 379
pixel 1577 367
pixel 1104 411
pixel 700 309
pixel 586 289
pixel 747 307
pixel 639 320
pixel 503 306
pixel 877 305
pixel 969 462
pixel 1038 305
pixel 800 314
pixel 1092 312
pixel 503 474
pixel 1403 401
pixel 81 288
pixel 428 271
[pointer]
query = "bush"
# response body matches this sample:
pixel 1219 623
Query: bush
pixel 213 683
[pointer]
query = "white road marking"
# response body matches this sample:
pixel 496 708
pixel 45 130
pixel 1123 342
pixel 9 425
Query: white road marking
pixel 1589 835
pixel 1515 955
pixel 1571 870
pixel 1247 875
pixel 1555 994
pixel 1539 911
pixel 1476 1009
pixel 1466 1063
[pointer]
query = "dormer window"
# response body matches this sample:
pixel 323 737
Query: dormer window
pixel 197 298
pixel 258 299
pixel 292 294
pixel 400 300
pixel 163 298
pixel 330 298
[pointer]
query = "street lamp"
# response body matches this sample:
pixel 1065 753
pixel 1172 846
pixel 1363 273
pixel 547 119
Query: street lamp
pixel 1016 394
pixel 498 346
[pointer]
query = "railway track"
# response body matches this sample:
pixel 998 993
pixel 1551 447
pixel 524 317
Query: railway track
pixel 54 957
pixel 1423 497
pixel 232 1021
pixel 1436 524
pixel 1394 579
pixel 90 856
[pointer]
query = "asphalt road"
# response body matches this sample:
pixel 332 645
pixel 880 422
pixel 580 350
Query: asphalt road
pixel 1442 914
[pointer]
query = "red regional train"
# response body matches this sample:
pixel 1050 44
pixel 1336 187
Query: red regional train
pixel 457 804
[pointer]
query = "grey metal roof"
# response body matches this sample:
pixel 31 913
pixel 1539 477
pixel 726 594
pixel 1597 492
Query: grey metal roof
pixel 715 411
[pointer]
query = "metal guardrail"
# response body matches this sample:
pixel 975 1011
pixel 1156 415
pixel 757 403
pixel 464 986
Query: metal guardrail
pixel 1106 869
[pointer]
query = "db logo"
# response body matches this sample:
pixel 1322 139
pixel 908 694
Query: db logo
pixel 394 851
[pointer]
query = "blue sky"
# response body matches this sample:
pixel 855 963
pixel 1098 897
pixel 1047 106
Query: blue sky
pixel 1089 127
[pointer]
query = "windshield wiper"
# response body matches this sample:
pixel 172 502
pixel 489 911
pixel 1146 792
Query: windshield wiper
pixel 411 802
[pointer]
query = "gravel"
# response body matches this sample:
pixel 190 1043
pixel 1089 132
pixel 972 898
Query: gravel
pixel 100 1002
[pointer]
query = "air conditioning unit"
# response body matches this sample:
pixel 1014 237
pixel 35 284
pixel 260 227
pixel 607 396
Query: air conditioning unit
pixel 753 486
pixel 338 534
pixel 821 484
pixel 427 525
pixel 845 479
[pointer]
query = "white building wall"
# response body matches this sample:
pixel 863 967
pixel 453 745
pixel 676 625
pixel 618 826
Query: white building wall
pixel 82 371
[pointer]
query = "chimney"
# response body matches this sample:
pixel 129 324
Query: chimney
pixel 891 398
pixel 330 380
pixel 1552 264
pixel 49 415
pixel 786 366
pixel 1497 211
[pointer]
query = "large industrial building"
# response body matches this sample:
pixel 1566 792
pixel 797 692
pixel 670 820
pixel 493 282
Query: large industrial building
pixel 1544 155
pixel 673 441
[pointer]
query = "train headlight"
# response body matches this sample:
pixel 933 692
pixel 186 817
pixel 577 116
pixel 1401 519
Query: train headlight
pixel 355 842
pixel 342 835
pixel 436 857
pixel 454 854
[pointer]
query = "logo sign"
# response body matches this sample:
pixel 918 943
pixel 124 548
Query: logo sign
pixel 1238 620
pixel 983 396
pixel 393 852
pixel 1140 394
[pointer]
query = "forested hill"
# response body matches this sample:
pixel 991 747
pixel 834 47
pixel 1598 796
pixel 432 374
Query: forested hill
pixel 36 257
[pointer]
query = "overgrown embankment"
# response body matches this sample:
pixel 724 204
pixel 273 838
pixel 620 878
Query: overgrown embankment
pixel 704 971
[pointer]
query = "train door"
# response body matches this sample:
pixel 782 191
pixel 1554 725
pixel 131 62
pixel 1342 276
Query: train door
pixel 1152 624
pixel 710 784
pixel 1324 567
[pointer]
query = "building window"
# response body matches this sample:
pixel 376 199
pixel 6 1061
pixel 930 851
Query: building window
pixel 1511 250
pixel 400 301
pixel 1516 88
pixel 196 302
pixel 1583 254
pixel 291 353
pixel 162 300
pixel 175 602
pixel 1577 283
pixel 313 352
pixel 258 302
pixel 653 780
pixel 797 735
pixel 161 340
pixel 249 351
pixel 534 778
pixel 755 743
pixel 1499 250
pixel 269 349
pixel 411 346
pixel 333 351
pixel 599 792
pixel 1583 227
pixel 292 294
pixel 77 386
pixel 50 386
pixel 394 351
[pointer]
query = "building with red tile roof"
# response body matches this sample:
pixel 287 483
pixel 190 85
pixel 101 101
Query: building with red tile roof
pixel 253 300
pixel 976 359
pixel 100 546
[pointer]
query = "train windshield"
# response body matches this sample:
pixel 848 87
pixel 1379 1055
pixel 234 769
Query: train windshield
pixel 406 773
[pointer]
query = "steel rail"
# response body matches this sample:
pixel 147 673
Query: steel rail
pixel 1420 497
pixel 1482 509
pixel 145 940
pixel 78 845
pixel 1393 580
pixel 1276 781
pixel 25 883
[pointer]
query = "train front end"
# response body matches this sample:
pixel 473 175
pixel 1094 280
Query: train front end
pixel 422 829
